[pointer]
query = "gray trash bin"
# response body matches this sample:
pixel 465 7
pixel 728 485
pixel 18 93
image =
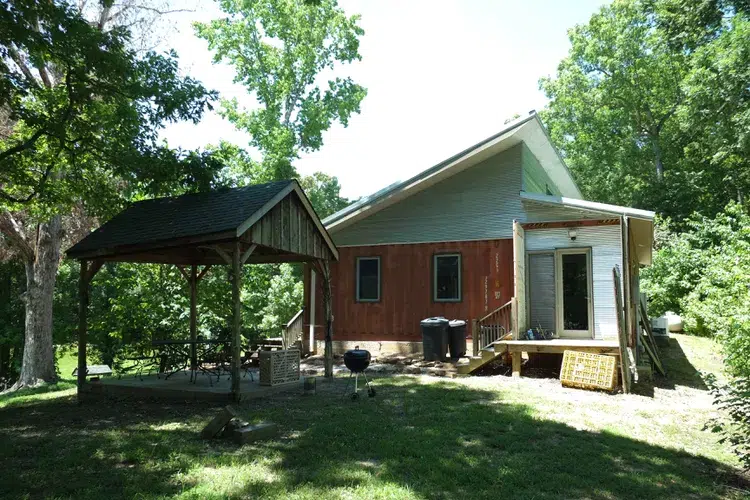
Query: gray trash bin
pixel 434 338
pixel 457 338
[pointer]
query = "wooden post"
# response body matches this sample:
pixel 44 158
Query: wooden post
pixel 237 322
pixel 514 318
pixel 325 275
pixel 516 359
pixel 193 281
pixel 475 337
pixel 83 307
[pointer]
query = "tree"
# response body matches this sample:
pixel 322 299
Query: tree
pixel 636 118
pixel 613 102
pixel 324 190
pixel 281 49
pixel 84 114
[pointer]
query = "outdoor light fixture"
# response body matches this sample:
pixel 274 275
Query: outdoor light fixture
pixel 572 233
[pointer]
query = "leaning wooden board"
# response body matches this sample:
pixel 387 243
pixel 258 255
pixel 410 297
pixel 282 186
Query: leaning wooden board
pixel 621 334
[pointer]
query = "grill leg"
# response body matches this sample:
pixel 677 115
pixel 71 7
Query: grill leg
pixel 370 388
pixel 348 381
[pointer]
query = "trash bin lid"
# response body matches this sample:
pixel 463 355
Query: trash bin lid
pixel 435 321
pixel 457 322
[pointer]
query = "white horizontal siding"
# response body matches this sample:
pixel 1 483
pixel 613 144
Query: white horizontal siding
pixel 478 203
pixel 606 252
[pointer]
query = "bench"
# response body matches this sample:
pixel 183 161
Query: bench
pixel 95 371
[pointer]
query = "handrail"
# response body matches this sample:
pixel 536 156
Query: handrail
pixel 507 304
pixel 292 331
pixel 492 327
pixel 295 317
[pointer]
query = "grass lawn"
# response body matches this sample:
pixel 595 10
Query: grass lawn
pixel 421 437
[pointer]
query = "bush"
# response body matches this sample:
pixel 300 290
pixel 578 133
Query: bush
pixel 703 273
pixel 733 422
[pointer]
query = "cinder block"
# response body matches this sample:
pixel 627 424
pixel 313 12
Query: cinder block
pixel 257 432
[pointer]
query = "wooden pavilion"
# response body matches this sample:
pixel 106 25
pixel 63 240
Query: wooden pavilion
pixel 263 223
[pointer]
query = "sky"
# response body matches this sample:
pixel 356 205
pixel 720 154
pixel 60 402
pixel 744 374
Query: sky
pixel 441 76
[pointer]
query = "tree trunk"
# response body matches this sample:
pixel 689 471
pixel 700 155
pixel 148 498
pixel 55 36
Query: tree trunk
pixel 38 363
pixel 658 164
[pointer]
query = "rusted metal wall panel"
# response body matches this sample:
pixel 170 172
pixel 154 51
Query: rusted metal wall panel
pixel 406 288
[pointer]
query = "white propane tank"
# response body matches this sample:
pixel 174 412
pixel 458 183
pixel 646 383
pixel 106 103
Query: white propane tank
pixel 674 321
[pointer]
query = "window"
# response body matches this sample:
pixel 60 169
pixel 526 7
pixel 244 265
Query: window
pixel 368 279
pixel 447 278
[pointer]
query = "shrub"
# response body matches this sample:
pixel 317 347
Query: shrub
pixel 733 422
pixel 703 273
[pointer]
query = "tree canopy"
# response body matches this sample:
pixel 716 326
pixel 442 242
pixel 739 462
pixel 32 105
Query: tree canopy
pixel 281 51
pixel 650 107
pixel 86 112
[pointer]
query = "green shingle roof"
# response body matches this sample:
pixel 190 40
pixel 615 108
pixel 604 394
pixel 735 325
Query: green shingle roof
pixel 164 219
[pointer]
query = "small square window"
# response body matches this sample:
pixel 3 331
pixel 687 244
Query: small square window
pixel 368 279
pixel 447 278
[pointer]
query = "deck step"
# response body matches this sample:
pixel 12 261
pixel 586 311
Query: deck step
pixel 468 365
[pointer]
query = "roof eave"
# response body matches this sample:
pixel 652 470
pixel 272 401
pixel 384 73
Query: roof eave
pixel 588 205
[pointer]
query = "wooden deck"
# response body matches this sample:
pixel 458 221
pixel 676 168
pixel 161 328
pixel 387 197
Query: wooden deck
pixel 554 346
pixel 179 388
pixel 559 346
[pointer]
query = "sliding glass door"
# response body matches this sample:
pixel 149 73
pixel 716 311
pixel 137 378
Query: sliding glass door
pixel 574 298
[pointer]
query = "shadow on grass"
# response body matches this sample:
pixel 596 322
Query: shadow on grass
pixel 680 371
pixel 416 439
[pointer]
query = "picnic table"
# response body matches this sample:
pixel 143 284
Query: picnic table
pixel 95 371
pixel 212 356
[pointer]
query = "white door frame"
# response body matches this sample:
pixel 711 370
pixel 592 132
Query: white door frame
pixel 581 334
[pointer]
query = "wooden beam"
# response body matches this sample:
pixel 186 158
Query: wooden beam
pixel 193 281
pixel 621 333
pixel 570 224
pixel 237 320
pixel 542 346
pixel 223 254
pixel 203 272
pixel 475 337
pixel 93 269
pixel 83 305
pixel 183 272
pixel 114 253
pixel 516 360
pixel 248 253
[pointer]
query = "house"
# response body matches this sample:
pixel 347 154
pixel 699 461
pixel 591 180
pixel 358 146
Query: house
pixel 498 235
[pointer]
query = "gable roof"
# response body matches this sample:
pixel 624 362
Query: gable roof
pixel 529 130
pixel 224 211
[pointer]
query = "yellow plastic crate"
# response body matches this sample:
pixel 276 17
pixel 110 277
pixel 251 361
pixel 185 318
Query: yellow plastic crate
pixel 588 371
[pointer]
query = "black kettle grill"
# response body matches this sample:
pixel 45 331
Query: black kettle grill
pixel 357 360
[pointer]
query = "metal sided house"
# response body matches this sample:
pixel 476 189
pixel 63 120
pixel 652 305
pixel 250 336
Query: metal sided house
pixel 498 235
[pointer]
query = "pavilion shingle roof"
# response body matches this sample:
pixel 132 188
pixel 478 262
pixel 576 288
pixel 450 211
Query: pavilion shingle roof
pixel 198 214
